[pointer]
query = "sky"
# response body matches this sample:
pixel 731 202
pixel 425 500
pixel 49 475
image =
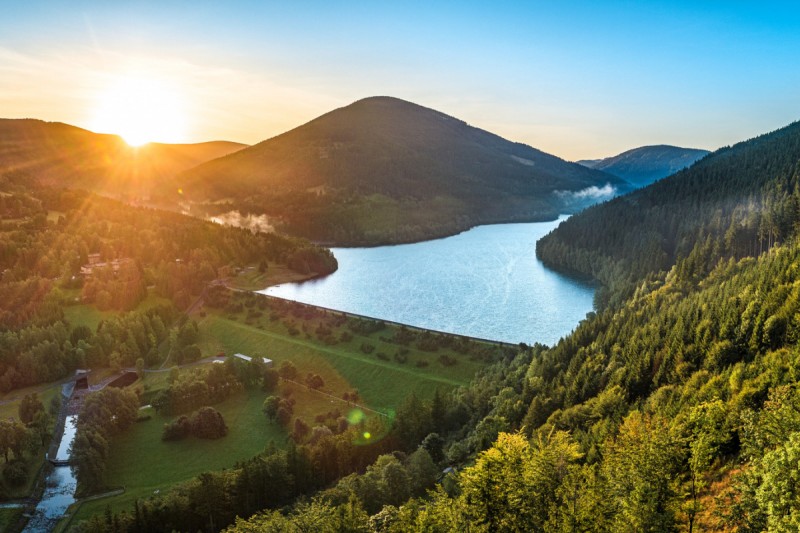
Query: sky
pixel 576 79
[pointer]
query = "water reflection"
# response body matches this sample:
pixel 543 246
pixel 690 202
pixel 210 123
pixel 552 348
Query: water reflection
pixel 485 282
pixel 59 492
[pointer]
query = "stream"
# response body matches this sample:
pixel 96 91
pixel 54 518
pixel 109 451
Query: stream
pixel 59 492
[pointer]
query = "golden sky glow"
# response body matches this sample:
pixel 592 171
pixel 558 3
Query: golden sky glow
pixel 141 108
pixel 578 79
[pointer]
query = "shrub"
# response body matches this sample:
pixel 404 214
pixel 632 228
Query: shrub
pixel 15 473
pixel 207 423
pixel 315 381
pixel 446 360
pixel 367 348
pixel 178 429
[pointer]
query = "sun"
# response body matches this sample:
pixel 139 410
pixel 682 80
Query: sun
pixel 141 109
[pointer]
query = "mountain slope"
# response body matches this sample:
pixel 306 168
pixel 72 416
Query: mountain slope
pixel 642 166
pixel 57 154
pixel 386 170
pixel 737 201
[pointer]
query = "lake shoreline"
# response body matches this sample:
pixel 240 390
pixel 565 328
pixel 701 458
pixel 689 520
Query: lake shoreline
pixel 483 283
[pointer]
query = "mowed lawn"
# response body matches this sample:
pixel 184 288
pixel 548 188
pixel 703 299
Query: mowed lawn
pixel 142 463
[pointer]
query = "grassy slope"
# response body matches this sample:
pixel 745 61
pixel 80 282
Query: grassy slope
pixel 142 463
pixel 382 384
pixel 89 315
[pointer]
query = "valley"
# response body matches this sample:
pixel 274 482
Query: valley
pixel 399 267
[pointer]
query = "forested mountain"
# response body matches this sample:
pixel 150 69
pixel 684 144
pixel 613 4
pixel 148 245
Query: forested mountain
pixel 642 166
pixel 55 154
pixel 738 201
pixel 674 409
pixel 386 170
pixel 675 412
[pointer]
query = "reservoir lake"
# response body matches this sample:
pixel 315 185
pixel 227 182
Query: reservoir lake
pixel 485 282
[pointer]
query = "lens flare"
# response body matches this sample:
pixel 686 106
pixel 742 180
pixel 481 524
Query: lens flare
pixel 141 108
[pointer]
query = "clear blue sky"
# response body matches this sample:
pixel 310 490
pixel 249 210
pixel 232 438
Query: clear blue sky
pixel 577 79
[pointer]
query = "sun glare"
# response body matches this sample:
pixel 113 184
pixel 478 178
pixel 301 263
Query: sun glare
pixel 141 110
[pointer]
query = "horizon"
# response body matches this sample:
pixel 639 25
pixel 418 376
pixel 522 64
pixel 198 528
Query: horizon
pixel 579 81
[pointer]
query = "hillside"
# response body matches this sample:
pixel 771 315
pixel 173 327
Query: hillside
pixel 676 409
pixel 385 170
pixel 56 154
pixel 737 201
pixel 642 166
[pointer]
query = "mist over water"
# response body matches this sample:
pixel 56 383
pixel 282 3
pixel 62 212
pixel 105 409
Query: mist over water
pixel 485 282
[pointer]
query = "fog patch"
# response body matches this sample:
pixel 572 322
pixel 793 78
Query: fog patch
pixel 255 223
pixel 590 194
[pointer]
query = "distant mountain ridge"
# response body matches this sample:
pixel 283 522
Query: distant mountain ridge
pixel 646 164
pixel 738 201
pixel 385 170
pixel 57 154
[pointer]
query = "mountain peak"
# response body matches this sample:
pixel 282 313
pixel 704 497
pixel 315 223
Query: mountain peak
pixel 646 164
pixel 401 155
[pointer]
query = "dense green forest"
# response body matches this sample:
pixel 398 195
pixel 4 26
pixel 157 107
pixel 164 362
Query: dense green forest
pixel 62 248
pixel 739 201
pixel 672 408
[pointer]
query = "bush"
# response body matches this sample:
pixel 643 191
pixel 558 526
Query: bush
pixel 190 354
pixel 315 381
pixel 428 344
pixel 269 380
pixel 15 473
pixel 367 348
pixel 207 423
pixel 446 360
pixel 178 429
pixel 287 370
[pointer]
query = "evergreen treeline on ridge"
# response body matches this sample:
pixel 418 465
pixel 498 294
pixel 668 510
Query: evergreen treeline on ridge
pixel 674 409
pixel 738 201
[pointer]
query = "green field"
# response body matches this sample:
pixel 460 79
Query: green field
pixel 142 463
pixel 89 315
pixel 381 384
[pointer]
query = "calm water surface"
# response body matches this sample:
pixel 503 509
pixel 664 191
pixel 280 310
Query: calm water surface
pixel 59 493
pixel 485 282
